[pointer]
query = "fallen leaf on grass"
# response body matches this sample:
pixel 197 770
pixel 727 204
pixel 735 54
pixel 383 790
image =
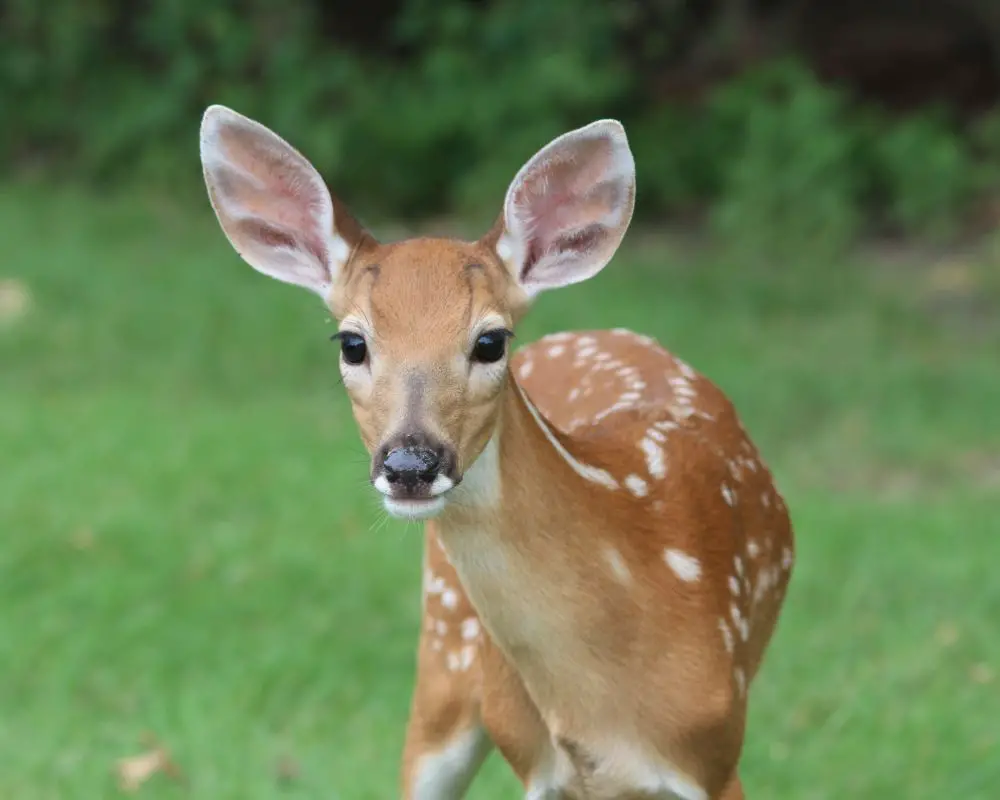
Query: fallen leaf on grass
pixel 952 277
pixel 947 634
pixel 288 770
pixel 15 300
pixel 82 539
pixel 982 674
pixel 134 771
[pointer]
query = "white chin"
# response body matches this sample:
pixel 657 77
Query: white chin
pixel 414 509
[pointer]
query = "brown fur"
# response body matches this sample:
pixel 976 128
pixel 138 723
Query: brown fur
pixel 601 588
pixel 688 698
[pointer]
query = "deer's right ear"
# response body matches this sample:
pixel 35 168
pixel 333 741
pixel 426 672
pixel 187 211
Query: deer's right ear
pixel 272 204
pixel 568 208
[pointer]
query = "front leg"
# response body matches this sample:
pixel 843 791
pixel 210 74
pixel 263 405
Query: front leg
pixel 445 740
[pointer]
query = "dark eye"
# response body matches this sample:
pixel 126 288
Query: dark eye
pixel 352 347
pixel 490 346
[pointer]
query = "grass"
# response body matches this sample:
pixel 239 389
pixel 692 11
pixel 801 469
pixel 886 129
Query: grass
pixel 187 543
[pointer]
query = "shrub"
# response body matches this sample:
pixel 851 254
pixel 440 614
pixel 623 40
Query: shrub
pixel 788 174
pixel 418 107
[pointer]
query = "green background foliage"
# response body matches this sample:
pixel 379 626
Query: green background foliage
pixel 417 108
pixel 188 543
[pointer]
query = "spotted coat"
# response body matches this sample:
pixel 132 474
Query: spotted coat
pixel 653 429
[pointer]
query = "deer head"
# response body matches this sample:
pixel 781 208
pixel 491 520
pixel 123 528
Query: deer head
pixel 424 324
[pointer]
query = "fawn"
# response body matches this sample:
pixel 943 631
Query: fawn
pixel 606 553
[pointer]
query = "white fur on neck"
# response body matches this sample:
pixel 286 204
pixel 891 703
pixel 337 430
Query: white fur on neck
pixel 585 471
pixel 480 487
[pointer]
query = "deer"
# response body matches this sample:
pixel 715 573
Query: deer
pixel 606 553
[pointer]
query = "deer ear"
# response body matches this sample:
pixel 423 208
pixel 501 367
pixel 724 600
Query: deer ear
pixel 272 204
pixel 568 208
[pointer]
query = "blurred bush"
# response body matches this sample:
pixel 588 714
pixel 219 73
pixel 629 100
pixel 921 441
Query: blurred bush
pixel 419 107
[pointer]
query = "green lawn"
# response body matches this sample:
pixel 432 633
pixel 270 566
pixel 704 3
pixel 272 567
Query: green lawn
pixel 187 543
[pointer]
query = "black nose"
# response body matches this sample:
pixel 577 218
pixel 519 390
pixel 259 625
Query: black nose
pixel 411 465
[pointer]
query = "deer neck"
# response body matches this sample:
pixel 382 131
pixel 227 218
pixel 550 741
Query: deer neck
pixel 524 472
pixel 516 533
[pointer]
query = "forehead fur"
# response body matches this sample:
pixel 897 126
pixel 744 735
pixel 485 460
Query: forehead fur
pixel 425 293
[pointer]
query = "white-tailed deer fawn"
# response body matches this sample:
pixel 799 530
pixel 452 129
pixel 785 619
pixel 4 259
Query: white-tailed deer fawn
pixel 606 553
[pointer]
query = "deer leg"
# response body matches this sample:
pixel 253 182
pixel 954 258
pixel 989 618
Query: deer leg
pixel 733 790
pixel 445 746
pixel 445 739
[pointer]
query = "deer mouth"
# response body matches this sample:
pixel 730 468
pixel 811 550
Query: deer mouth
pixel 414 508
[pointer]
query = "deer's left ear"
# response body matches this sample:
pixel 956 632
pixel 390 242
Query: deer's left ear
pixel 273 205
pixel 568 208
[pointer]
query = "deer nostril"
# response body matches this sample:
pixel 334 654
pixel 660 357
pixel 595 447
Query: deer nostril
pixel 409 465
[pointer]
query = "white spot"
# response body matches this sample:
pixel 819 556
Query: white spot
pixel 734 585
pixel 526 368
pixel 453 662
pixel 555 351
pixel 585 341
pixel 656 435
pixel 629 396
pixel 435 585
pixel 740 622
pixel 585 471
pixel 786 558
pixel 636 485
pixel 686 567
pixel 621 331
pixel 586 352
pixel 654 458
pixel 638 385
pixel 470 629
pixel 611 410
pixel 617 564
pixel 466 657
pixel 728 495
pixel 573 394
pixel 449 598
pixel 753 548
pixel 666 425
pixel 738 563
pixel 381 484
pixel 765 500
pixel 741 680
pixel 727 635
pixel 685 369
pixel 441 627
